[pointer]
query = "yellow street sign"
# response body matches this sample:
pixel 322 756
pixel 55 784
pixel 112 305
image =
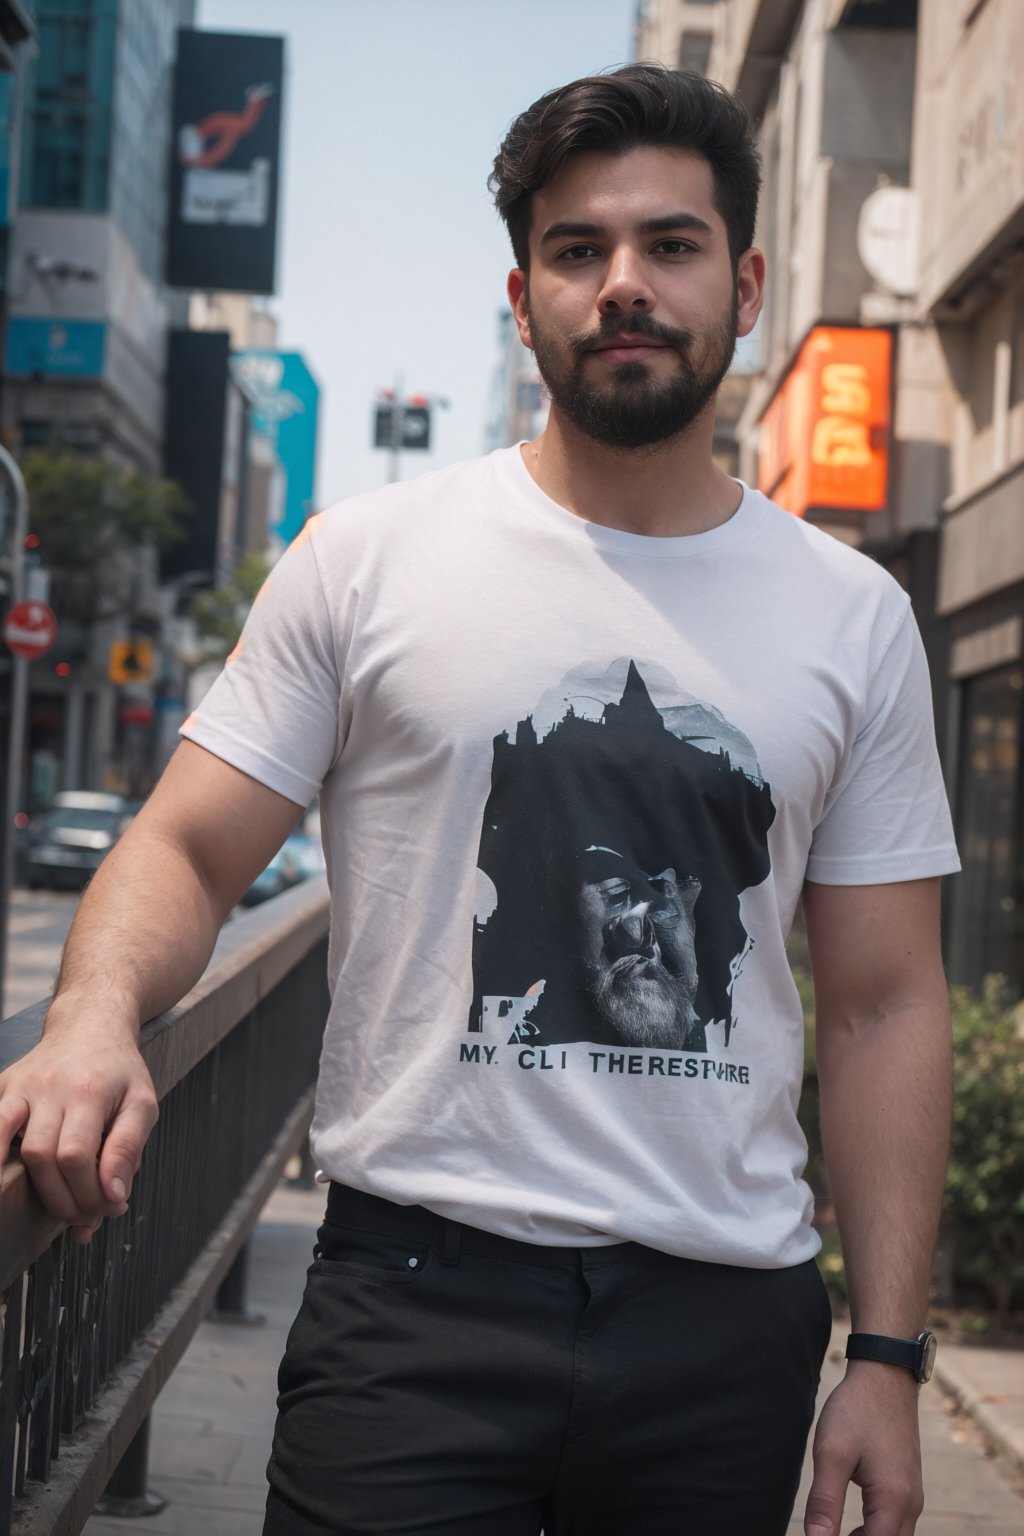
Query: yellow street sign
pixel 131 661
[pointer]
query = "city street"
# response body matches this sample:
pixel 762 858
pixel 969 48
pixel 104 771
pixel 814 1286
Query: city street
pixel 648 619
pixel 39 922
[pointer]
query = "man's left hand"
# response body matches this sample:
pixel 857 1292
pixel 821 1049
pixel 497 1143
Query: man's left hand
pixel 868 1434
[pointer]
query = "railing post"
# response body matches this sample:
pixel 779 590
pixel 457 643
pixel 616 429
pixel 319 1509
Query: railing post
pixel 230 1304
pixel 89 1335
pixel 126 1496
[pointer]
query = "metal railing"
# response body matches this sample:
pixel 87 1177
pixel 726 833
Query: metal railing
pixel 88 1336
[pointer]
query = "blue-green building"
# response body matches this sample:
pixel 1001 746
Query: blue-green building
pixel 87 313
pixel 87 310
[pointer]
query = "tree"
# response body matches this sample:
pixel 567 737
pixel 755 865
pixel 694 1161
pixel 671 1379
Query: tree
pixel 219 614
pixel 92 518
pixel 985 1189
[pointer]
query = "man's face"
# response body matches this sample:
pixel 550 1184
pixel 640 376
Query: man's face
pixel 631 305
pixel 636 944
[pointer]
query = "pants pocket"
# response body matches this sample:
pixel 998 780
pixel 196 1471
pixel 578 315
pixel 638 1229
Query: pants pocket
pixel 824 1307
pixel 372 1256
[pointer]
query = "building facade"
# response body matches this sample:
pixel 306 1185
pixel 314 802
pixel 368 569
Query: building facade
pixel 85 344
pixel 887 398
pixel 88 312
pixel 518 403
pixel 969 176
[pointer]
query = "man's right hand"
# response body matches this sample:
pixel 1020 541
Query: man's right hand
pixel 83 1114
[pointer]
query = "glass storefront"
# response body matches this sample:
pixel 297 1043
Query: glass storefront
pixel 986 928
pixel 66 131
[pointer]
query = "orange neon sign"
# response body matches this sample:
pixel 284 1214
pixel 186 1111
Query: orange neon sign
pixel 825 435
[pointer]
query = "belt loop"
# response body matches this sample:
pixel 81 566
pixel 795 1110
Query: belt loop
pixel 452 1243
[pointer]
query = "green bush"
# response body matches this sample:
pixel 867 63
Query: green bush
pixel 984 1207
pixel 808 1111
pixel 983 1217
pixel 833 1269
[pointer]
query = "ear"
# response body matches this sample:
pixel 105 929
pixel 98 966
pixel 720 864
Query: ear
pixel 750 274
pixel 518 298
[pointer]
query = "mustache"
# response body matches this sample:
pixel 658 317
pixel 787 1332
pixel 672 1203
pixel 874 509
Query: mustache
pixel 638 324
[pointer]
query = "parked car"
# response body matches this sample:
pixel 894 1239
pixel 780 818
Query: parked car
pixel 282 872
pixel 308 853
pixel 301 857
pixel 67 845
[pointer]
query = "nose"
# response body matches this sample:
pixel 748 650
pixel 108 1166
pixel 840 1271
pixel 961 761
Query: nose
pixel 626 285
pixel 632 933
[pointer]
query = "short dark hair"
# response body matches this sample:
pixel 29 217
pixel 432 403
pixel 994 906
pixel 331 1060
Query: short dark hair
pixel 638 105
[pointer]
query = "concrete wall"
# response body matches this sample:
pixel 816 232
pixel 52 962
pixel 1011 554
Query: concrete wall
pixel 127 404
pixel 661 24
pixel 969 137
pixel 969 170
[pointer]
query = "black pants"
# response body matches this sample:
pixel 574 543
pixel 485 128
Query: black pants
pixel 442 1380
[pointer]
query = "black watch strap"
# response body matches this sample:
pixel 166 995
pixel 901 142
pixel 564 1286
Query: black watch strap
pixel 915 1355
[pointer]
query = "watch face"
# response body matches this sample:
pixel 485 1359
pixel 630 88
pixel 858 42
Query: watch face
pixel 930 1345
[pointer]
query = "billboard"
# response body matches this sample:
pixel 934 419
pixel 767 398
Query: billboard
pixel 195 445
pixel 285 398
pixel 67 348
pixel 825 435
pixel 225 162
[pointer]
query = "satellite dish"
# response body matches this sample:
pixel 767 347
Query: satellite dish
pixel 888 238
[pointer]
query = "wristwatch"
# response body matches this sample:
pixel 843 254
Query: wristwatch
pixel 915 1355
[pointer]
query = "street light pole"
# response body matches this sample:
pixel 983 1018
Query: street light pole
pixel 402 421
pixel 397 427
pixel 12 488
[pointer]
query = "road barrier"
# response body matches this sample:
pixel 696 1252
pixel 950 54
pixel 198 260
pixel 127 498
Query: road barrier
pixel 88 1336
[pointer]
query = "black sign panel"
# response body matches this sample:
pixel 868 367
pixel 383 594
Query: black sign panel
pixel 225 160
pixel 194 439
pixel 414 427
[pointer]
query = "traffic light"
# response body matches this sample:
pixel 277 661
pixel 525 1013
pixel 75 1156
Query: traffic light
pixel 412 428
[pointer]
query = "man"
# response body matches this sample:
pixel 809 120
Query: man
pixel 570 1285
pixel 638 951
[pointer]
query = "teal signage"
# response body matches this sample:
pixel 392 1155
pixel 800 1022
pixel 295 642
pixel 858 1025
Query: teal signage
pixel 70 348
pixel 285 400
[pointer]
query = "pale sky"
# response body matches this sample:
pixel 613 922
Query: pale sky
pixel 391 259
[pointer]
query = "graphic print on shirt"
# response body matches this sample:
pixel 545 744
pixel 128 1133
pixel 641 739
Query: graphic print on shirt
pixel 617 837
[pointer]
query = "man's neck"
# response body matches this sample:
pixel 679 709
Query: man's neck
pixel 670 489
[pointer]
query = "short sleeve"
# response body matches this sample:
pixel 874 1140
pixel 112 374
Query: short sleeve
pixel 886 816
pixel 274 711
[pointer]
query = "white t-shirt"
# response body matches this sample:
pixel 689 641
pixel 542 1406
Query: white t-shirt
pixel 572 780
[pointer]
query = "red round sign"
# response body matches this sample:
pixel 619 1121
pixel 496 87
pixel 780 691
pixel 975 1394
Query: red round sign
pixel 30 629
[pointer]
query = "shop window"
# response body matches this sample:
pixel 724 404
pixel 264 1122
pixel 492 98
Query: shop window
pixel 36 433
pixel 694 52
pixel 901 14
pixel 986 929
pixel 1017 352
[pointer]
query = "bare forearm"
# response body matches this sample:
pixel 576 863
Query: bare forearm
pixel 886 1093
pixel 142 936
pixel 82 1100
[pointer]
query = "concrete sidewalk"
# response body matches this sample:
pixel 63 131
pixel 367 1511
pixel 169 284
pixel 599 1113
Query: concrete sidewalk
pixel 988 1384
pixel 213 1422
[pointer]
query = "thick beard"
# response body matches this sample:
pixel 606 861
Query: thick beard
pixel 633 411
pixel 644 1007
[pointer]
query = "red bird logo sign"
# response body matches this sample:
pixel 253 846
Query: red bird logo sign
pixel 212 193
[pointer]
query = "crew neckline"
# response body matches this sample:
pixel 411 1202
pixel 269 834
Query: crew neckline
pixel 743 523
